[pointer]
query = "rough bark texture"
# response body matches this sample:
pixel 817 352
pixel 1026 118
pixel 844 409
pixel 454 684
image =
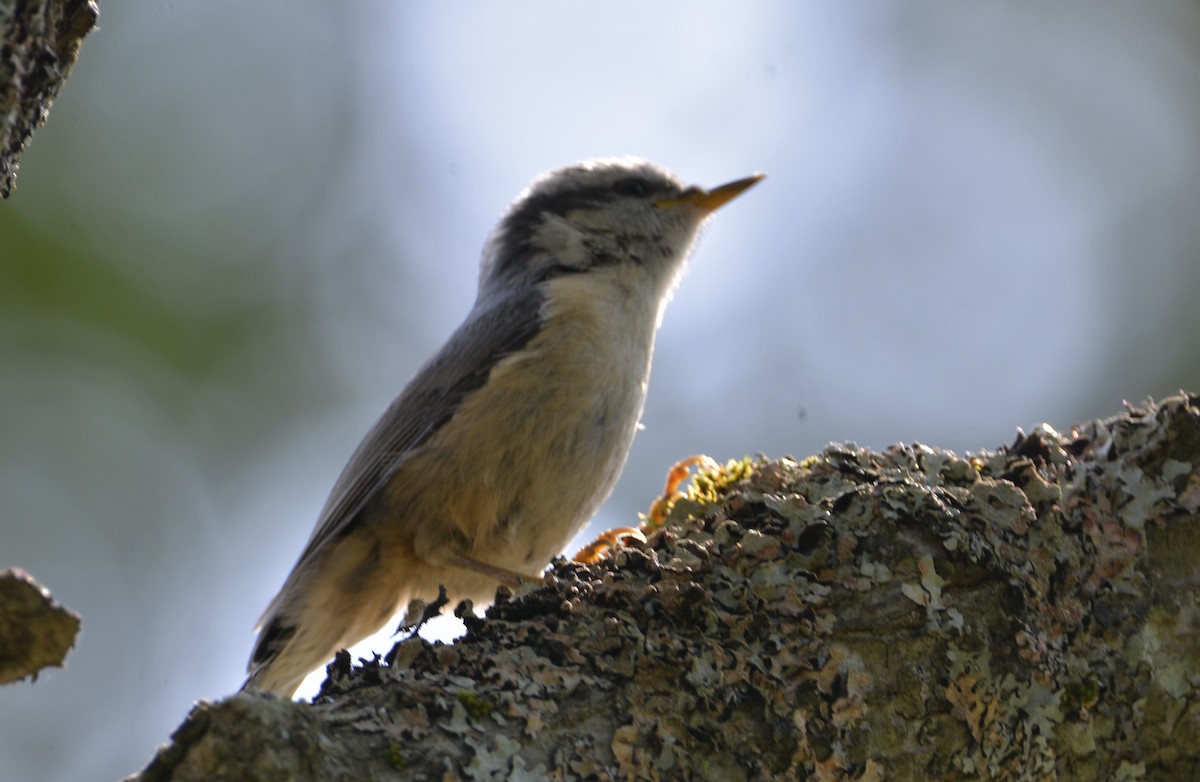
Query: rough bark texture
pixel 35 631
pixel 1029 613
pixel 39 43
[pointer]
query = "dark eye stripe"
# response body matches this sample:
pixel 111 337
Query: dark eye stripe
pixel 632 187
pixel 526 216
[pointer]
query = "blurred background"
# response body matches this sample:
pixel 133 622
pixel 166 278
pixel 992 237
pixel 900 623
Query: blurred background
pixel 246 225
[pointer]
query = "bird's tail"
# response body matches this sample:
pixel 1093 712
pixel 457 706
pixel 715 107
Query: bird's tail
pixel 273 665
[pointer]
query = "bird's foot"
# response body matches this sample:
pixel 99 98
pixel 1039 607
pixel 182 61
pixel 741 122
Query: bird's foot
pixel 509 578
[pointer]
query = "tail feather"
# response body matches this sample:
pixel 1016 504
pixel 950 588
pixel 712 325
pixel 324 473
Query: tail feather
pixel 268 669
pixel 268 678
pixel 332 602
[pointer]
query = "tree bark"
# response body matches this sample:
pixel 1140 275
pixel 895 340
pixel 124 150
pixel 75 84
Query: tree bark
pixel 39 43
pixel 1027 613
pixel 35 631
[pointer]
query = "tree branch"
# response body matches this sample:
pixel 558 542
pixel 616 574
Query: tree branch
pixel 1029 613
pixel 35 631
pixel 39 43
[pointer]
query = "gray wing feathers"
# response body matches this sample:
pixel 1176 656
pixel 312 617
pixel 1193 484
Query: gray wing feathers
pixel 427 402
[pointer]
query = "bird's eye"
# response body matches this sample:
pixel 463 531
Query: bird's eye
pixel 632 187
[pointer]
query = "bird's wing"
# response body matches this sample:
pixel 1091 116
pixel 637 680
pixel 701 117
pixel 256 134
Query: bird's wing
pixel 426 403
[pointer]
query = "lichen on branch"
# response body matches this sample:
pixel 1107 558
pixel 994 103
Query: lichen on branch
pixel 39 44
pixel 1027 613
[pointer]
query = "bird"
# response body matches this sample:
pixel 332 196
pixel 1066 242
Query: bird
pixel 506 442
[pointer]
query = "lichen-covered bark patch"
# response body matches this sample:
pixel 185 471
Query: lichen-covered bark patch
pixel 1025 614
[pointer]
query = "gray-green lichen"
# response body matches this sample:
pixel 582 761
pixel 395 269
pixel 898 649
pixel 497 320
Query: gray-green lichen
pixel 1029 613
pixel 35 631
pixel 39 44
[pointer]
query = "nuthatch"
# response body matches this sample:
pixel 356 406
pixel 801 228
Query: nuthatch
pixel 507 441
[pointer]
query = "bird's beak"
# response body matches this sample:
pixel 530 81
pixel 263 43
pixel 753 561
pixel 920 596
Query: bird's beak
pixel 709 201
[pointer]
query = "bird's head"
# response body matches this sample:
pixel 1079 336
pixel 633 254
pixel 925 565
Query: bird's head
pixel 623 214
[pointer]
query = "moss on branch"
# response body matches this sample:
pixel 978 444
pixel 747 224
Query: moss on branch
pixel 1027 613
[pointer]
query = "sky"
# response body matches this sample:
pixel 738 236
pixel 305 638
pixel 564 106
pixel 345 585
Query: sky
pixel 245 226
